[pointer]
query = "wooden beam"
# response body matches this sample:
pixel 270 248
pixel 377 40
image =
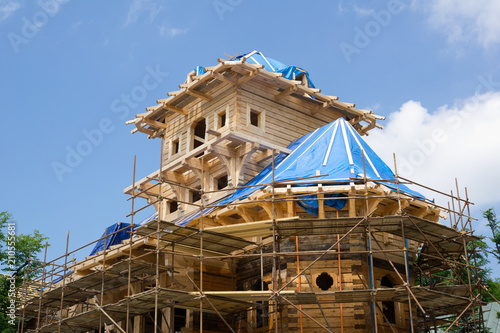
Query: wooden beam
pixel 148 189
pixel 175 93
pixel 248 214
pixel 357 119
pixel 214 132
pixel 264 155
pixel 264 144
pixel 140 128
pixel 247 77
pixel 199 94
pixel 247 148
pixel 321 202
pixel 286 92
pixel 352 204
pixel 221 150
pixel 320 108
pixel 223 78
pixel 366 128
pixel 173 176
pixel 175 109
pixel 154 123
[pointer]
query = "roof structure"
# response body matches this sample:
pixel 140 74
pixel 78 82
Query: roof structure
pixel 333 154
pixel 287 80
pixel 271 65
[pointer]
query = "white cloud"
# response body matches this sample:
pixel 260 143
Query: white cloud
pixel 138 7
pixel 433 148
pixel 465 20
pixel 362 11
pixel 340 7
pixel 172 32
pixel 7 8
pixel 75 26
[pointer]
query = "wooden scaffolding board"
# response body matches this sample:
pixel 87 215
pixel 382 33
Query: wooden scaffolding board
pixel 434 232
pixel 143 303
pixel 190 237
pixel 87 286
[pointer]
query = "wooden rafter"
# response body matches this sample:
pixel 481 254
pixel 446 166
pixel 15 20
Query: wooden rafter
pixel 175 109
pixel 198 94
pixel 247 77
pixel 286 92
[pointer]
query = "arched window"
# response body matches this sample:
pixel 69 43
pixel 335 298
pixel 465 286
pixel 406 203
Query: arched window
pixel 199 130
pixel 388 307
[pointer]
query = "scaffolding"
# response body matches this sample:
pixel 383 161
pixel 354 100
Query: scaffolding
pixel 381 263
pixel 101 292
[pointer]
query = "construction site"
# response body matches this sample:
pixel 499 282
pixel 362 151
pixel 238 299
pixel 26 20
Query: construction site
pixel 271 214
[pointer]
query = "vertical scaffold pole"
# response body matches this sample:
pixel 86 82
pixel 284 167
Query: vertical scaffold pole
pixel 405 247
pixel 63 284
pixel 42 285
pixel 25 282
pixel 481 316
pixel 467 264
pixel 370 254
pixel 202 193
pixel 160 213
pixel 102 277
pixel 129 276
pixel 274 269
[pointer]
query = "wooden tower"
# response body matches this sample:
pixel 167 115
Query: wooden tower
pixel 233 246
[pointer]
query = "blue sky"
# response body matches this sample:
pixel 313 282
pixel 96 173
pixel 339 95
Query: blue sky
pixel 71 70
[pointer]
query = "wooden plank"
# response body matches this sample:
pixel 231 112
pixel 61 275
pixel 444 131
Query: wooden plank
pixel 286 92
pixel 250 229
pixel 198 94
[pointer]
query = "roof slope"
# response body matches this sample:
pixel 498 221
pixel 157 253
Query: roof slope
pixel 283 80
pixel 332 154
pixel 271 65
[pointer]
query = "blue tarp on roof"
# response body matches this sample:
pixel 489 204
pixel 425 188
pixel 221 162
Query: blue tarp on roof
pixel 334 151
pixel 122 234
pixel 271 65
pixel 148 219
pixel 122 228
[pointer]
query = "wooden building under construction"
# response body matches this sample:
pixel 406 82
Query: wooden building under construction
pixel 272 214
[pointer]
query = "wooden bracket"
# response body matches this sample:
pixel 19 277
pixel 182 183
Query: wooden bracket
pixel 223 78
pixel 198 94
pixel 247 77
pixel 175 109
pixel 286 92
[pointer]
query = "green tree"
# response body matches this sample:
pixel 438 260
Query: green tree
pixel 478 251
pixel 15 252
pixel 493 224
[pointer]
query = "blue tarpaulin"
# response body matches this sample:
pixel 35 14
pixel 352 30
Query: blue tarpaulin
pixel 335 152
pixel 149 218
pixel 117 238
pixel 271 65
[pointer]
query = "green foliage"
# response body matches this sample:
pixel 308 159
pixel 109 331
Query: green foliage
pixel 493 285
pixel 24 245
pixel 493 288
pixel 478 253
pixel 494 225
pixel 5 321
pixel 15 251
